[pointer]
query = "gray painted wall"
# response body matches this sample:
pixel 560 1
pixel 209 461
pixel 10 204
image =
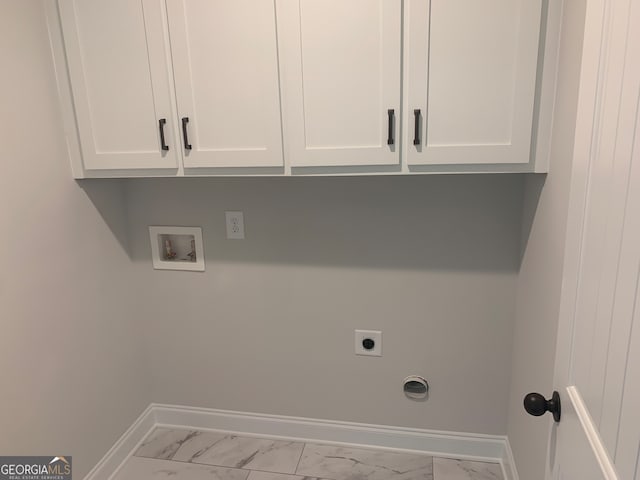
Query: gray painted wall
pixel 430 261
pixel 540 278
pixel 70 366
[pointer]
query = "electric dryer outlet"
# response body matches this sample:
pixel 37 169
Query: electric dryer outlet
pixel 368 342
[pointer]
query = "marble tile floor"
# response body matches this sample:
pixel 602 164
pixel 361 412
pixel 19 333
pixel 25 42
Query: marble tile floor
pixel 194 455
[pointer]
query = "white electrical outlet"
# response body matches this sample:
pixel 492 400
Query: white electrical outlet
pixel 235 225
pixel 369 342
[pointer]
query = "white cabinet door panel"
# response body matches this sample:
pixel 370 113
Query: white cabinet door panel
pixel 341 76
pixel 471 72
pixel 226 71
pixel 118 65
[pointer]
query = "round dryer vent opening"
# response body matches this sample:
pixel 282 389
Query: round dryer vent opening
pixel 416 387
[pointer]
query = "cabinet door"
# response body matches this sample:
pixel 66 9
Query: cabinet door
pixel 120 77
pixel 471 73
pixel 226 71
pixel 340 62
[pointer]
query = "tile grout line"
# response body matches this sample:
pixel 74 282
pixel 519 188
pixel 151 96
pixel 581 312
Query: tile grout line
pixel 185 462
pixel 304 447
pixel 433 467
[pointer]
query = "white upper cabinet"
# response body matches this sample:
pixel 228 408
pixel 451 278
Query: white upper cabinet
pixel 470 71
pixel 341 79
pixel 117 54
pixel 303 87
pixel 225 63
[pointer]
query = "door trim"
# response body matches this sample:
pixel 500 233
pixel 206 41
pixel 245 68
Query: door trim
pixel 591 432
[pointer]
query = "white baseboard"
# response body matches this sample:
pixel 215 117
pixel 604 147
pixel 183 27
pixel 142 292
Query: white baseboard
pixel 443 444
pixel 122 449
pixel 508 463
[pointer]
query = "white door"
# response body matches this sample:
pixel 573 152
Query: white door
pixel 471 75
pixel 117 52
pixel 341 73
pixel 598 354
pixel 225 63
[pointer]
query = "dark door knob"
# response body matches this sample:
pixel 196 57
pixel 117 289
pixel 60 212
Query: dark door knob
pixel 536 405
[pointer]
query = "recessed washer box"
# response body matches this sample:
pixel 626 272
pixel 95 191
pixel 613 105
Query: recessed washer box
pixel 177 248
